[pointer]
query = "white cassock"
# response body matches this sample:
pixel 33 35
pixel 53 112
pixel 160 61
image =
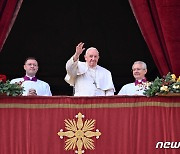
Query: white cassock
pixel 130 89
pixel 89 81
pixel 42 88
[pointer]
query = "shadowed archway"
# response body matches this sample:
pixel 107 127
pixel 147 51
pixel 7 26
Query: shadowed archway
pixel 50 32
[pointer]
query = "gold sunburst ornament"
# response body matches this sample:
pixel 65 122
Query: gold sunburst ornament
pixel 79 134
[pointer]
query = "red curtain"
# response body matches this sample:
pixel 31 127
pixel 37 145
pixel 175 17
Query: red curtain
pixel 8 13
pixel 129 125
pixel 159 21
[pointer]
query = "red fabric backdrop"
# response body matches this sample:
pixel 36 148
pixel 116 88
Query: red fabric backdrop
pixel 129 125
pixel 8 12
pixel 159 21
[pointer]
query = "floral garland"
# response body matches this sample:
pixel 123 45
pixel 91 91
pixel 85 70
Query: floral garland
pixel 143 86
pixel 10 89
pixel 165 85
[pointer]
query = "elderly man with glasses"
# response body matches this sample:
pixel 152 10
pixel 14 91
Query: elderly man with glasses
pixel 139 70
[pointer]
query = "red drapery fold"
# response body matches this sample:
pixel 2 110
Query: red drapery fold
pixel 129 125
pixel 8 13
pixel 159 22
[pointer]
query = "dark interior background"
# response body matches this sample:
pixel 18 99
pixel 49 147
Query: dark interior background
pixel 50 30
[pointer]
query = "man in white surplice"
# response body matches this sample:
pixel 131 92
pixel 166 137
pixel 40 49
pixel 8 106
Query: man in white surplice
pixel 139 70
pixel 88 78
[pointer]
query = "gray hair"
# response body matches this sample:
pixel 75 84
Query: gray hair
pixel 142 63
pixel 91 48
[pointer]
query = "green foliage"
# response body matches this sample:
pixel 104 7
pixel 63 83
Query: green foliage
pixel 167 84
pixel 9 89
pixel 153 88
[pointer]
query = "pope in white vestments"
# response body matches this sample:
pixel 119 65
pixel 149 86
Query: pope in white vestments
pixel 88 78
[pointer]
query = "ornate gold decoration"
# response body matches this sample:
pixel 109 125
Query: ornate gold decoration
pixel 79 134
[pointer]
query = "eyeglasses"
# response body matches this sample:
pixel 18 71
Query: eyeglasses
pixel 29 64
pixel 138 69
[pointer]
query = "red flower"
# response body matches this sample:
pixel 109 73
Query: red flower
pixel 2 78
pixel 165 83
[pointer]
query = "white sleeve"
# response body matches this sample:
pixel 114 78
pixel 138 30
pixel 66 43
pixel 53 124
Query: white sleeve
pixel 110 92
pixel 48 91
pixel 71 67
pixel 122 91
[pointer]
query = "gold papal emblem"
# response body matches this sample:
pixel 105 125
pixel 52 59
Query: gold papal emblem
pixel 79 134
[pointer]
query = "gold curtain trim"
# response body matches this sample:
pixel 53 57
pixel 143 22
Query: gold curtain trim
pixel 87 106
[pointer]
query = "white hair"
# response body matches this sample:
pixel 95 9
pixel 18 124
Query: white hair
pixel 142 63
pixel 91 48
